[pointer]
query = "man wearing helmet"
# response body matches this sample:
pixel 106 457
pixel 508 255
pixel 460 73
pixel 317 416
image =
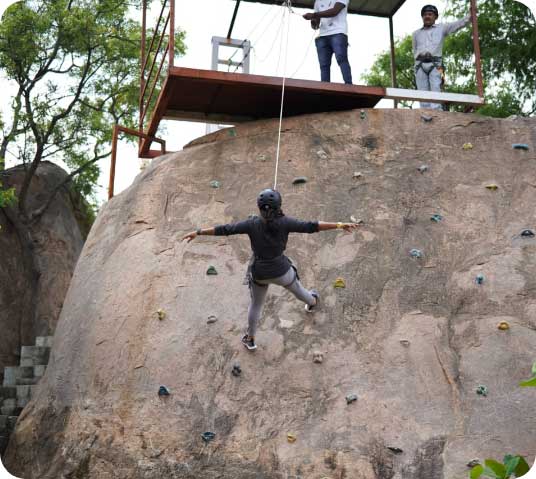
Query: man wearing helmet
pixel 428 51
pixel 268 235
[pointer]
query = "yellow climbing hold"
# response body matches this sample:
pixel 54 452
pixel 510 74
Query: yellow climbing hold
pixel 467 146
pixel 339 283
pixel 503 326
pixel 492 186
pixel 161 314
pixel 291 437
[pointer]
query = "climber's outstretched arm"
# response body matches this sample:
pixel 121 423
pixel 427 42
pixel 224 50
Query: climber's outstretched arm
pixel 206 232
pixel 324 226
pixel 242 227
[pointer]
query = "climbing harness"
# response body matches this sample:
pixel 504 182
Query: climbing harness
pixel 427 63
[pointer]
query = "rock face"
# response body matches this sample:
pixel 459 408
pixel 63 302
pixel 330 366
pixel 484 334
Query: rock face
pixel 411 337
pixel 37 263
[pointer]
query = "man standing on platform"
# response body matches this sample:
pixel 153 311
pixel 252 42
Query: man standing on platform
pixel 330 17
pixel 428 51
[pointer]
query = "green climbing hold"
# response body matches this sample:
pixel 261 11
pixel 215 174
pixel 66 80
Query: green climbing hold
pixel 339 283
pixel 482 390
pixel 436 218
pixel 520 146
pixel 232 132
pixel 300 180
pixel 211 270
pixel 208 436
pixel 215 184
pixel 362 114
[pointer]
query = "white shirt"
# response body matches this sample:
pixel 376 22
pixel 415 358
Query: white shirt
pixel 430 39
pixel 336 24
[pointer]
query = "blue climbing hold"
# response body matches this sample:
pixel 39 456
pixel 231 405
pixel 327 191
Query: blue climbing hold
pixel 479 278
pixel 415 253
pixel 163 391
pixel 208 436
pixel 520 146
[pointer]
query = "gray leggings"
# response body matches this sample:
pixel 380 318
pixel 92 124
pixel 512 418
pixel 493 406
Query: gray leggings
pixel 258 294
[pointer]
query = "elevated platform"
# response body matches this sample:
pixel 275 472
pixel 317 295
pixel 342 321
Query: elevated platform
pixel 210 96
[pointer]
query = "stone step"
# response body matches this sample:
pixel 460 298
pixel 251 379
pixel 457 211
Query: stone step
pixel 22 402
pixel 12 374
pixel 39 371
pixel 3 444
pixel 44 341
pixel 11 410
pixel 7 424
pixel 27 381
pixel 25 392
pixel 34 355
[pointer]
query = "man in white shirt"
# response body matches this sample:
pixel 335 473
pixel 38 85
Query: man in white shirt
pixel 330 18
pixel 428 50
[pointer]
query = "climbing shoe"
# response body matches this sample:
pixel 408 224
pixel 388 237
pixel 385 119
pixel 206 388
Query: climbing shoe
pixel 315 294
pixel 249 342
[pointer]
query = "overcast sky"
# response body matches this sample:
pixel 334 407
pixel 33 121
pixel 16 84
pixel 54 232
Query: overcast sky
pixel 261 24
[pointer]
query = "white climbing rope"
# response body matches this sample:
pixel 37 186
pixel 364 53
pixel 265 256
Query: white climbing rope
pixel 288 4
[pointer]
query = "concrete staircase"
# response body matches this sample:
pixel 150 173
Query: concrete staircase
pixel 20 383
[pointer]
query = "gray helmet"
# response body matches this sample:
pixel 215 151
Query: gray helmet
pixel 429 8
pixel 269 199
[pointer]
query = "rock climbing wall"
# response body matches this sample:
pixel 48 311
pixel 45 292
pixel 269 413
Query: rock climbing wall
pixel 402 373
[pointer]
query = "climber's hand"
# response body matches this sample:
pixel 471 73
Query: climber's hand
pixel 348 227
pixel 309 16
pixel 189 237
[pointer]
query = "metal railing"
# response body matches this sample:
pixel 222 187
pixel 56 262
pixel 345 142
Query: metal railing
pixel 149 80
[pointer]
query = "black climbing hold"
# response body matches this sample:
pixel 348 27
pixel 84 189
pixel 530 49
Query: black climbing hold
pixel 426 118
pixel 211 270
pixel 520 146
pixel 527 233
pixel 300 180
pixel 237 370
pixel 212 319
pixel 163 391
pixel 396 450
pixel 208 436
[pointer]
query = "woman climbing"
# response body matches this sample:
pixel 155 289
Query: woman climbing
pixel 268 235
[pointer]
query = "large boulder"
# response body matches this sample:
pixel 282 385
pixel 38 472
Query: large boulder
pixel 37 259
pixel 413 338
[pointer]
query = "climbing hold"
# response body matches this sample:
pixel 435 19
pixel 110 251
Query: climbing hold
pixel 351 398
pixel 362 114
pixel 415 253
pixel 467 146
pixel 299 180
pixel 322 154
pixel 357 174
pixel 215 184
pixel 208 436
pixel 527 233
pixel 426 118
pixel 492 186
pixel 237 370
pixel 262 158
pixel 436 218
pixel 479 278
pixel 482 390
pixel 211 270
pixel 232 132
pixel 161 314
pixel 503 326
pixel 291 437
pixel 357 221
pixel 318 357
pixel 520 146
pixel 212 319
pixel 163 391
pixel 473 463
pixel 339 283
pixel 422 168
pixel 396 450
pixel 404 342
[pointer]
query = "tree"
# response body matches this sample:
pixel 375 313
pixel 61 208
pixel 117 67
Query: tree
pixel 508 52
pixel 76 67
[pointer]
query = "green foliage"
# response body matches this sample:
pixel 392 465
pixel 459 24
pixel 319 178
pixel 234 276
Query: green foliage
pixel 508 52
pixel 7 197
pixel 512 466
pixel 76 64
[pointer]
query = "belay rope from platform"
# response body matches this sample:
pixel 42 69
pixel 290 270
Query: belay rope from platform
pixel 288 5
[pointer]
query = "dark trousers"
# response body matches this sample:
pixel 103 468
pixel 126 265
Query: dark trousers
pixel 328 45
